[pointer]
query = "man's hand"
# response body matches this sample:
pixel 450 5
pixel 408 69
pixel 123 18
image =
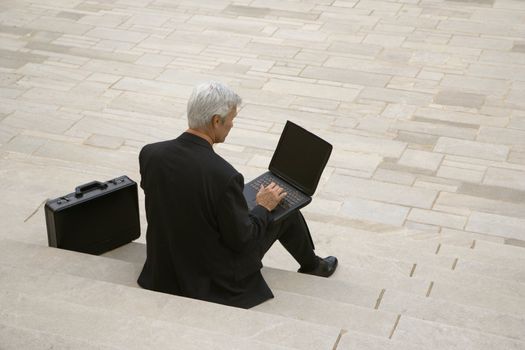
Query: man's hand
pixel 270 196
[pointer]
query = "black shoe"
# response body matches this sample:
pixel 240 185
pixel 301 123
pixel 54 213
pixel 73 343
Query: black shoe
pixel 325 268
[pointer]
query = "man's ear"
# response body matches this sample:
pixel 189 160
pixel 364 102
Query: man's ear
pixel 215 120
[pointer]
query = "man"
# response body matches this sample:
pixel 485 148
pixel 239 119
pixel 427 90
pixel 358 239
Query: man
pixel 202 241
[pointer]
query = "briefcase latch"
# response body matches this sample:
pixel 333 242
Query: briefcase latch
pixel 90 186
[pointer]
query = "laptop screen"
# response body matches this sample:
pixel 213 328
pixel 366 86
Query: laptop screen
pixel 300 157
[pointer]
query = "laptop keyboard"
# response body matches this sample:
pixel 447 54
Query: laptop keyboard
pixel 293 196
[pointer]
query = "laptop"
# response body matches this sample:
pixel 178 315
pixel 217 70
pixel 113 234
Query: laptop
pixel 296 166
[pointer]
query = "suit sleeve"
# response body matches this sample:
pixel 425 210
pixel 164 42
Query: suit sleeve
pixel 237 225
pixel 142 166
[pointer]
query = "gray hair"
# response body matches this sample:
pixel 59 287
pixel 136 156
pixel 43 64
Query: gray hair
pixel 209 99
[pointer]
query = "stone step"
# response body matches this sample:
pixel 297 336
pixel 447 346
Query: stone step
pixel 364 319
pixel 493 254
pixel 350 284
pixel 351 340
pixel 513 322
pixel 511 273
pixel 427 240
pixel 500 278
pixel 384 325
pixel 351 257
pixel 431 335
pixel 437 310
pixel 470 249
pixel 113 329
pixel 362 287
pixel 343 240
pixel 470 285
pixel 134 252
pixel 398 251
pixel 484 298
pixel 456 238
pixel 487 252
pixel 380 280
pixel 138 302
pixel 476 284
pixel 325 288
pixel 473 290
pixel 463 278
pixel 474 297
pixel 328 312
pixel 16 338
pixel 333 302
pixel 423 276
pixel 350 245
pixel 503 250
pixel 453 237
pixel 431 252
pixel 460 239
pixel 84 265
pixel 355 293
pixel 118 260
pixel 355 285
pixel 478 265
pixel 446 235
pixel 368 296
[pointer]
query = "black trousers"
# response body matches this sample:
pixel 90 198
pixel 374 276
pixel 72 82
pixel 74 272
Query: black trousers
pixel 293 233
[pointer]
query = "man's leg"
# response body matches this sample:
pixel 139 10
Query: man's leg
pixel 294 235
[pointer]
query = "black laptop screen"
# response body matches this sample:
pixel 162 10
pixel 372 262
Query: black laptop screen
pixel 300 157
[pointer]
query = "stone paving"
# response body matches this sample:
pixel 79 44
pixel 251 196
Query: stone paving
pixel 423 101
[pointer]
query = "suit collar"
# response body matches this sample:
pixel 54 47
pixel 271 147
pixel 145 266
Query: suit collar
pixel 186 136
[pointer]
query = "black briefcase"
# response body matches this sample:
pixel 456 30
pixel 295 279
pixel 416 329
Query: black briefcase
pixel 96 218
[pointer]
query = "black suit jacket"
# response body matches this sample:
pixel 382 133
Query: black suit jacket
pixel 202 242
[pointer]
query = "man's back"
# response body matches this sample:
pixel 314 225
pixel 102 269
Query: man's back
pixel 200 236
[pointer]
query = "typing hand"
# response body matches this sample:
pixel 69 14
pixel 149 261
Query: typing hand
pixel 270 196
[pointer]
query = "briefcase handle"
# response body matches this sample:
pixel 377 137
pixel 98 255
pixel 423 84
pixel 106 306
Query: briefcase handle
pixel 90 186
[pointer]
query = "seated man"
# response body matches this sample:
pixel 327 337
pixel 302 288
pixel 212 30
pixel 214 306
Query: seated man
pixel 202 241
